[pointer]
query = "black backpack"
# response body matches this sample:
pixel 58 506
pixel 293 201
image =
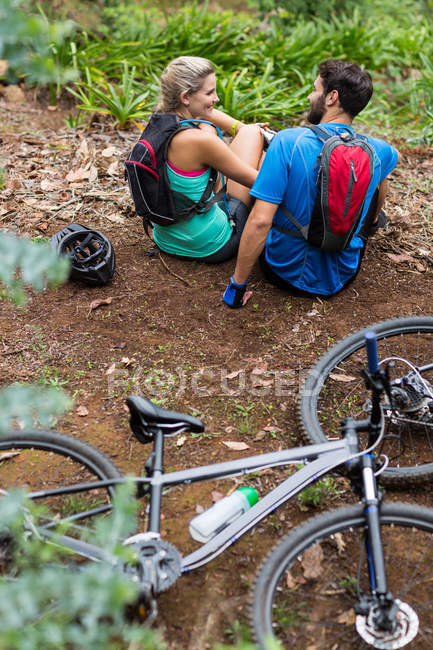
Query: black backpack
pixel 146 173
pixel 346 165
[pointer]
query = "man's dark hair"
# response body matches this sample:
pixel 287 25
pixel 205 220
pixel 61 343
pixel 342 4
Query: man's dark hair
pixel 354 84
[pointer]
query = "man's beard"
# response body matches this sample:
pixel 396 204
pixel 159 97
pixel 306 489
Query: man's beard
pixel 317 110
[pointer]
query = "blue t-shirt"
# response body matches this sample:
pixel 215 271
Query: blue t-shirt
pixel 288 175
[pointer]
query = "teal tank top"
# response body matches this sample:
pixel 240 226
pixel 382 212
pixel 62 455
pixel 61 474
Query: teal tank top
pixel 203 234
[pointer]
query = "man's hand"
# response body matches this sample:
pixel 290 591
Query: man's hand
pixel 236 295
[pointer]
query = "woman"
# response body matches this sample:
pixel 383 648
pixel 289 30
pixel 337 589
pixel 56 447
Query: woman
pixel 188 89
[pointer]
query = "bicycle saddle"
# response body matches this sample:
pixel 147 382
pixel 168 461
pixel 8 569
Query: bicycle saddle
pixel 146 416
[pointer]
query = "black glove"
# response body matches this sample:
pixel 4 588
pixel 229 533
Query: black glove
pixel 234 294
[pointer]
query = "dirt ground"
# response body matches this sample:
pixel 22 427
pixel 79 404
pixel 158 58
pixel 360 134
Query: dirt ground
pixel 161 330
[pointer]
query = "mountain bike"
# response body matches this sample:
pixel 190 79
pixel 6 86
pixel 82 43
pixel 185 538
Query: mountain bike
pixel 356 577
pixel 335 388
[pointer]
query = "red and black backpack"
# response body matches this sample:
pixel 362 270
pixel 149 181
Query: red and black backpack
pixel 146 173
pixel 346 164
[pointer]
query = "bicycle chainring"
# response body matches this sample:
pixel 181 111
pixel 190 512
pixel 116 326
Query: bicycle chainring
pixel 404 632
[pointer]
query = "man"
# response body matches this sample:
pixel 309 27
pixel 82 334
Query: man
pixel 288 176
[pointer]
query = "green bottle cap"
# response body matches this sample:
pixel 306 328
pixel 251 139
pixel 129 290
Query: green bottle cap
pixel 251 494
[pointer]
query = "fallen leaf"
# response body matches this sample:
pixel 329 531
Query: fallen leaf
pixel 312 562
pixel 341 544
pixel 290 581
pixel 30 202
pixel 79 174
pixel 271 427
pixel 49 186
pixel 43 226
pixel 260 436
pixel 109 152
pixel 236 446
pixel 344 378
pixel 127 361
pixel 82 411
pixel 199 509
pixel 115 218
pixel 113 169
pixel 98 302
pixel 234 374
pixel 83 149
pixel 93 174
pixel 52 108
pixel 216 496
pixel 180 441
pixel 400 258
pixel 347 618
pixel 111 369
pixel 9 454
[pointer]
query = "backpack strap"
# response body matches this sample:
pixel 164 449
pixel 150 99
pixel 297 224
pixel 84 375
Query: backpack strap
pixel 303 230
pixel 204 203
pixel 321 133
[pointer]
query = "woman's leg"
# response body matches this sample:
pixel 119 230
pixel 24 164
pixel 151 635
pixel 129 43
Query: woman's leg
pixel 248 146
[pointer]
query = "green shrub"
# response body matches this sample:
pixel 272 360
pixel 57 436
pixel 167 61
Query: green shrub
pixel 30 44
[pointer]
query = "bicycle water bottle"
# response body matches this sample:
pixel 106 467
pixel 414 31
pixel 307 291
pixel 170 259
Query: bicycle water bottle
pixel 213 520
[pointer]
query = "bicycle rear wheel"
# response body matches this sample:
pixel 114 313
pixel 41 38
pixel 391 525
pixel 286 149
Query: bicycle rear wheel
pixel 335 389
pixel 45 460
pixel 306 589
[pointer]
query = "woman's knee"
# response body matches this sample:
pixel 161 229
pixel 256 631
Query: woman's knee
pixel 250 132
pixel 248 144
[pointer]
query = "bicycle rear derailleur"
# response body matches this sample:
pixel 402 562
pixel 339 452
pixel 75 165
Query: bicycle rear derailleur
pixel 157 566
pixel 413 395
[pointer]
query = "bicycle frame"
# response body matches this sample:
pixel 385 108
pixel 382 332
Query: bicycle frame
pixel 320 459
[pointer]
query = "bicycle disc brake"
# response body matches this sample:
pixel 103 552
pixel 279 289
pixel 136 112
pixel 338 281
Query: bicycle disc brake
pixel 404 632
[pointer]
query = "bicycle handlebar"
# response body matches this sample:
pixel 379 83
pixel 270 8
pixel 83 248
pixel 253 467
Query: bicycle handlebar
pixel 372 356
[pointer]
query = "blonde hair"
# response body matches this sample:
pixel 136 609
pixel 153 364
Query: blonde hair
pixel 184 74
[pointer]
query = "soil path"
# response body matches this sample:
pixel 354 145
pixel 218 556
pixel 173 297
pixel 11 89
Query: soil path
pixel 165 334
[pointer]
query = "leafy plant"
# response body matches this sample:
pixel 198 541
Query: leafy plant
pixel 51 604
pixel 315 494
pixel 121 102
pixel 27 42
pixel 28 263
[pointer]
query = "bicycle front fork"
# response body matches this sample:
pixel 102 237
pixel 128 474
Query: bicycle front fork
pixel 379 605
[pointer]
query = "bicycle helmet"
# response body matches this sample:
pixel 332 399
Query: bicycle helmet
pixel 91 253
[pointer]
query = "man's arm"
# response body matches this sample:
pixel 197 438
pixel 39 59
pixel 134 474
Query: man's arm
pixel 254 238
pixel 251 245
pixel 383 191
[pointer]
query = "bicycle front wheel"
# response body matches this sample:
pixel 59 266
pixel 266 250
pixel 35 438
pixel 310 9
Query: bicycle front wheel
pixel 335 389
pixel 45 460
pixel 307 587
